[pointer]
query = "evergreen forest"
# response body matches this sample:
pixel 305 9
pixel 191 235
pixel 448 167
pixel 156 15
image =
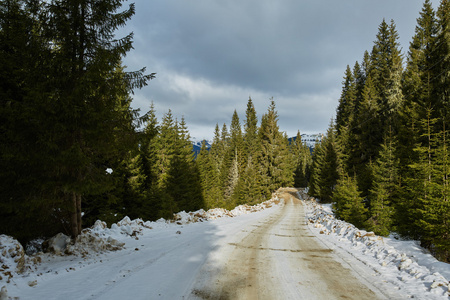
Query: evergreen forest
pixel 74 151
pixel 384 163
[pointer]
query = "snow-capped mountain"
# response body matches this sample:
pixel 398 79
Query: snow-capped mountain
pixel 309 139
pixel 312 139
pixel 197 145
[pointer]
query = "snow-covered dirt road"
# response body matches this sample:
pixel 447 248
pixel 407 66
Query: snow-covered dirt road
pixel 277 257
pixel 268 254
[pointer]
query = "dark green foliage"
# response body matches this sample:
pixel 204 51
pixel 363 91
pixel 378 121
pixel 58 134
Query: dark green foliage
pixel 316 170
pixel 348 202
pixel 324 173
pixel 430 189
pixel 347 102
pixel 247 168
pixel 302 161
pixel 210 166
pixel 23 156
pixel 70 142
pixel 249 185
pixel 385 189
pixel 65 111
pixel 276 162
pixel 392 137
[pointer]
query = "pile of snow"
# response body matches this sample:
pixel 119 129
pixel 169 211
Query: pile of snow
pixel 402 263
pixel 12 257
pixel 13 262
pixel 201 215
pixel 124 227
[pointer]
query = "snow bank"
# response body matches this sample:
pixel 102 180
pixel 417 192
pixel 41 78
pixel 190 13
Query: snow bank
pixel 201 215
pixel 12 257
pixel 413 271
pixel 13 262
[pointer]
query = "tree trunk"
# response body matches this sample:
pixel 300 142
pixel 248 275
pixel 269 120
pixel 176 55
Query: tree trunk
pixel 79 213
pixel 74 216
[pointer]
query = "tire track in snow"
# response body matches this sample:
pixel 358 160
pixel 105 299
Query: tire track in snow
pixel 280 259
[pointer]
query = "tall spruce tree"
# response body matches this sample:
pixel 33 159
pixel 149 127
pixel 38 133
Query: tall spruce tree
pixel 208 176
pixel 430 187
pixel 316 170
pixel 276 162
pixel 347 102
pixel 249 184
pixel 329 170
pixel 302 159
pixel 166 145
pixel 214 190
pixel 86 93
pixel 235 157
pixel 82 102
pixel 24 65
pixel 184 178
pixel 417 88
pixel 386 72
pixel 369 129
pixel 348 202
pixel 441 55
pixel 383 197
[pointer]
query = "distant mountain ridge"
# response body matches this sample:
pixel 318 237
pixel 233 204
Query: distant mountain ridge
pixel 197 145
pixel 309 139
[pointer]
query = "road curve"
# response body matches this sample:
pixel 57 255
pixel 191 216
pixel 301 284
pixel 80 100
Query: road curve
pixel 279 258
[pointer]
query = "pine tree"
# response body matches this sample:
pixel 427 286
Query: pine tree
pixel 165 153
pixel 347 102
pixel 236 138
pixel 316 170
pixel 276 162
pixel 393 137
pixel 235 154
pixel 437 218
pixel 206 171
pixel 349 204
pixel 329 167
pixel 80 101
pixel 348 129
pixel 303 160
pixel 184 180
pixel 359 79
pixel 367 137
pixel 24 158
pixel 249 185
pixel 148 148
pixel 430 188
pixel 417 88
pixel 386 72
pixel 88 88
pixel 383 197
pixel 441 57
pixel 213 191
pixel 251 130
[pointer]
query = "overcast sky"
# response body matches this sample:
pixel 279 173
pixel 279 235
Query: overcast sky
pixel 210 56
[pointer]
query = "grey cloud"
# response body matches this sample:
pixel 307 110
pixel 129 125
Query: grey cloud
pixel 285 49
